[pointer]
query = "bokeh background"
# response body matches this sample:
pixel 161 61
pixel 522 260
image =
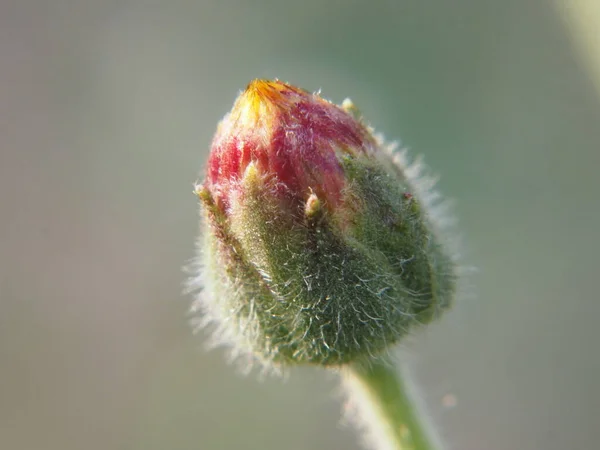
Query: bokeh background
pixel 107 109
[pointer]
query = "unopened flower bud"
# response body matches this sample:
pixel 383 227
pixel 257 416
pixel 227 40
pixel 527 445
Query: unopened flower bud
pixel 318 245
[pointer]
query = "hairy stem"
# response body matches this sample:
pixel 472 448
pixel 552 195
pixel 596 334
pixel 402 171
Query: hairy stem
pixel 382 406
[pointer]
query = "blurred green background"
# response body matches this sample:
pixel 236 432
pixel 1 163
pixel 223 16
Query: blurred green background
pixel 107 109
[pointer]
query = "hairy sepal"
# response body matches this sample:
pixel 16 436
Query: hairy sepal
pixel 299 283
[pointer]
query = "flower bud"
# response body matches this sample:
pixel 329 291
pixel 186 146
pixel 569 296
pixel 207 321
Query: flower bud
pixel 318 244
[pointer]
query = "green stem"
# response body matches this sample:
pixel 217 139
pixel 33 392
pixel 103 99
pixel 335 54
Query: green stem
pixel 384 408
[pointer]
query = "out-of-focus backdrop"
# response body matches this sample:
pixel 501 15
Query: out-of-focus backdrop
pixel 107 110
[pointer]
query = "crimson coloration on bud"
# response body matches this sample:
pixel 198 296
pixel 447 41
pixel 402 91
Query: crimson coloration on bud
pixel 319 244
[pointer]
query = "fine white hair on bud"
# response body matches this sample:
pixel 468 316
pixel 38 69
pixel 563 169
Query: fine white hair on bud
pixel 320 243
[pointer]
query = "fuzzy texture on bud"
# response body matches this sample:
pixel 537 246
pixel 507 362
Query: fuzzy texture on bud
pixel 319 243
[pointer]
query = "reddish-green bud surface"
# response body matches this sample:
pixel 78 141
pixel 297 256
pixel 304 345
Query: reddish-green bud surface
pixel 318 242
pixel 291 136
